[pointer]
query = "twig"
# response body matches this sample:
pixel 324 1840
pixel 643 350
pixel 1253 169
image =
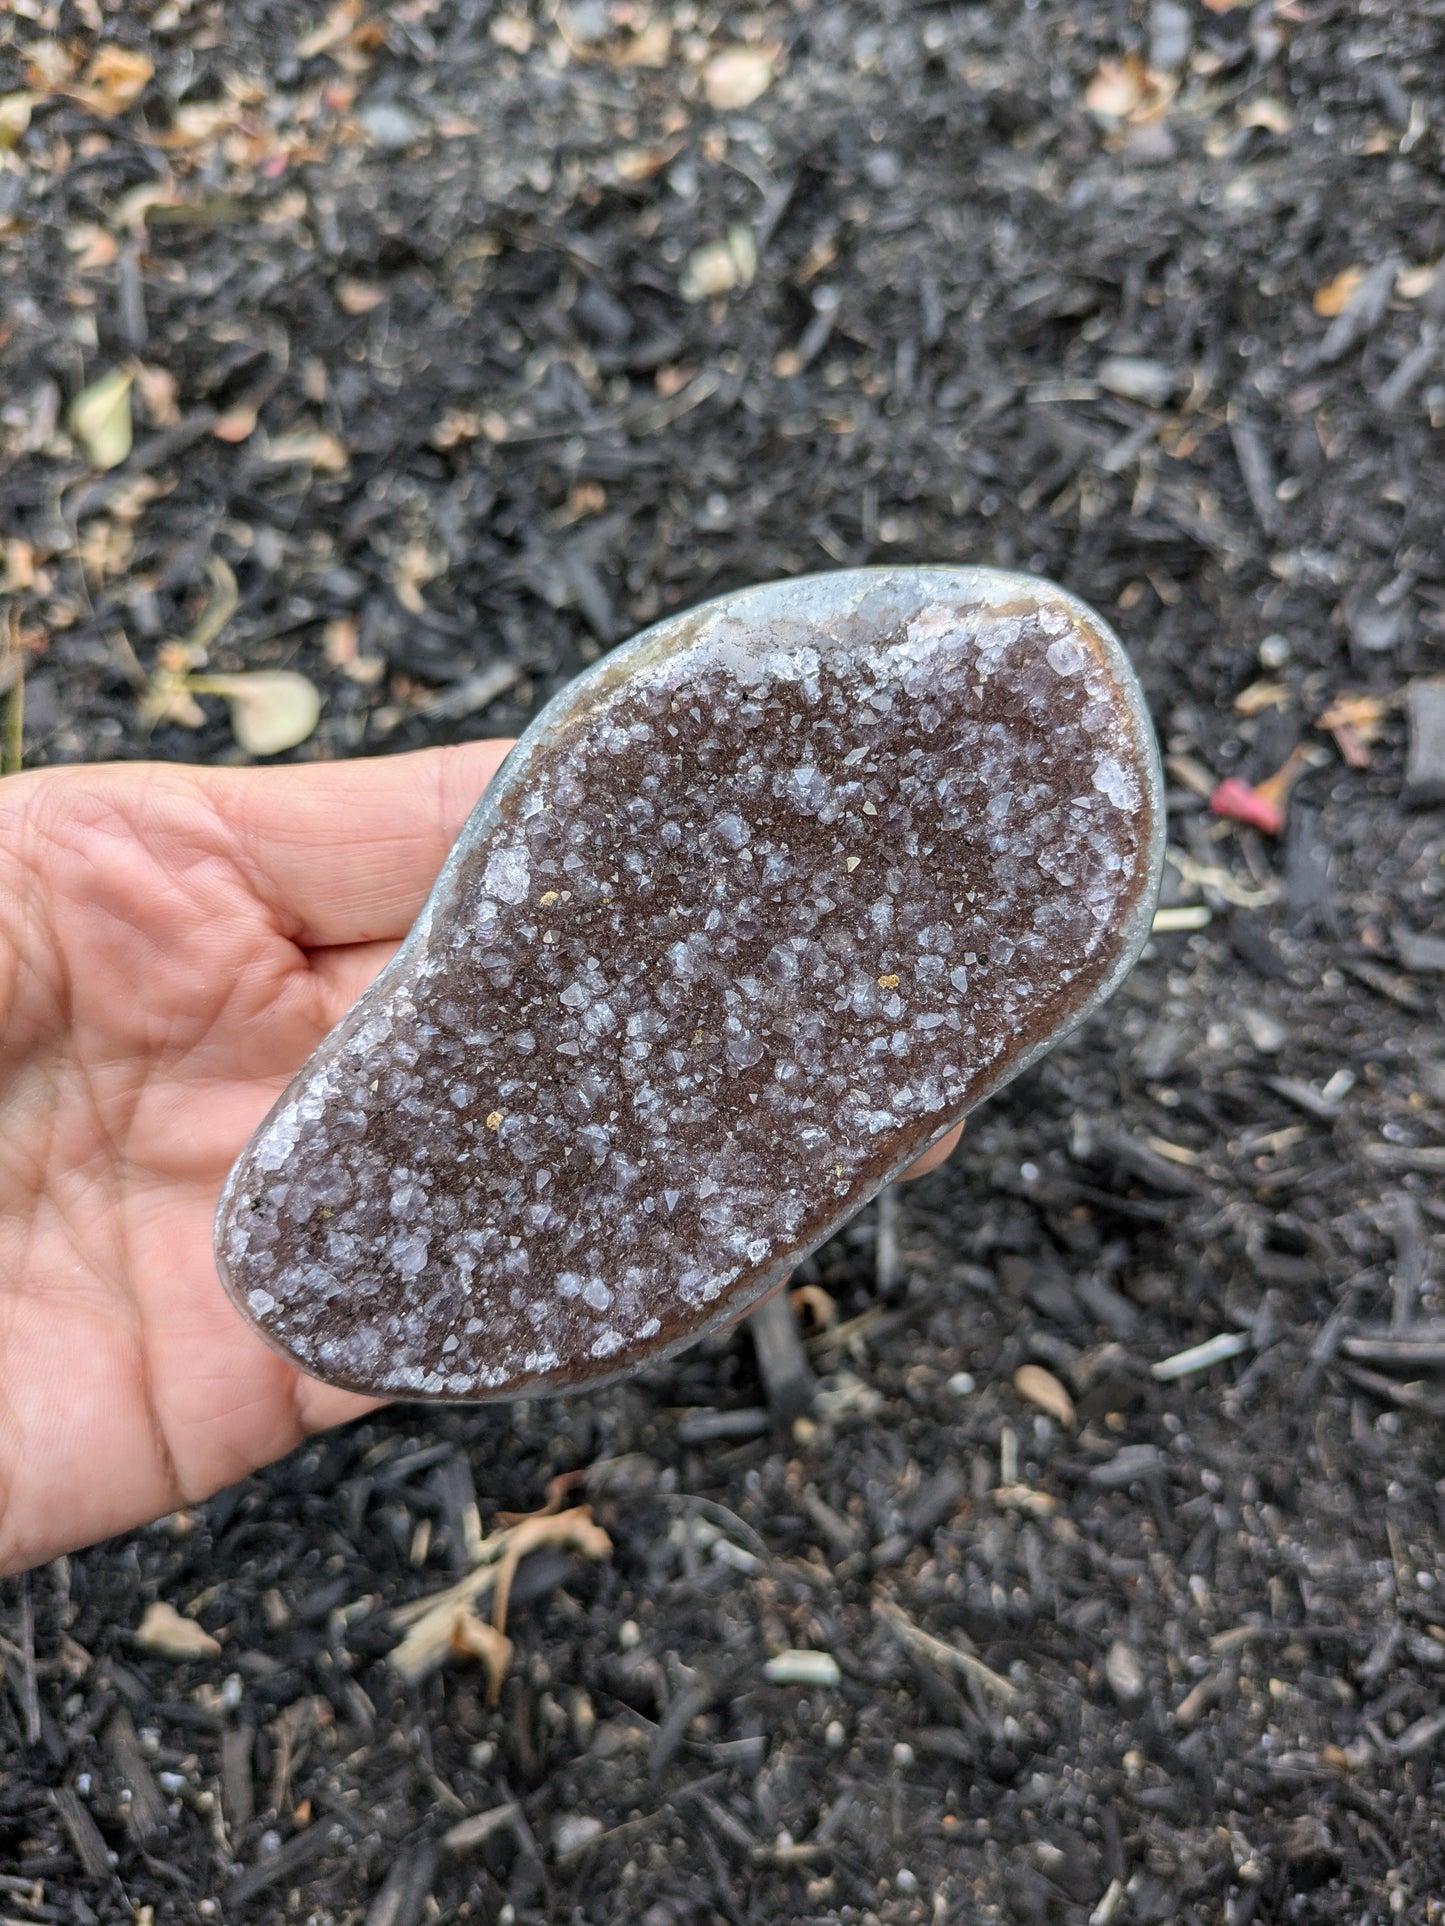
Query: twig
pixel 786 1372
pixel 1411 1261
pixel 29 1692
pixel 886 1259
pixel 12 670
pixel 950 1658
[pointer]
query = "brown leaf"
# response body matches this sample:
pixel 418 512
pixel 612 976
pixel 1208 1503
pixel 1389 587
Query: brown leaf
pixel 1356 723
pixel 114 80
pixel 49 64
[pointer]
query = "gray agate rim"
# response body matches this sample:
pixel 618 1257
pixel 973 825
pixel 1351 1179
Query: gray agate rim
pixel 820 600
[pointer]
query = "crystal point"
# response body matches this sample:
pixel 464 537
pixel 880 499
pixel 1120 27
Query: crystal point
pixel 757 909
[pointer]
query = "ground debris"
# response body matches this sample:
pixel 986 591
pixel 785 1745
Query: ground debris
pixel 956 237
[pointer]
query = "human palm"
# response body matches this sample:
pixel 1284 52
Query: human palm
pixel 173 944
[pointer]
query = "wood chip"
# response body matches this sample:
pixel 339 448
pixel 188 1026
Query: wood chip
pixel 1039 1387
pixel 166 1633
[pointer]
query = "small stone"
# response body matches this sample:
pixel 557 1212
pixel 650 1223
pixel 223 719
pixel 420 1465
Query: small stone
pixel 552 1144
pixel 1265 1032
pixel 1133 378
pixel 1171 35
pixel 1425 761
pixel 803 1668
pixel 390 125
pixel 575 1830
pixel 1124 1673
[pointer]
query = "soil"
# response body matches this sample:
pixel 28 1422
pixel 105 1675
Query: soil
pixel 1061 287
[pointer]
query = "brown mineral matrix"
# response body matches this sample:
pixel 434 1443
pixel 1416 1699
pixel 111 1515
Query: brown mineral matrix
pixel 755 911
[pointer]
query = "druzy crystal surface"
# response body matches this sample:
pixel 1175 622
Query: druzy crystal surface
pixel 756 910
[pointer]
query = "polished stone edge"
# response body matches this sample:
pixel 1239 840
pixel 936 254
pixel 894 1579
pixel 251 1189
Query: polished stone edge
pixel 826 597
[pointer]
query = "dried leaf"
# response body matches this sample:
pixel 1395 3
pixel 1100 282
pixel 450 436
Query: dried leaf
pixel 48 65
pixel 572 1529
pixel 1356 723
pixel 333 31
pixel 736 77
pixel 652 47
pixel 19 569
pixel 1037 1386
pixel 166 1633
pixel 99 418
pixel 271 709
pixel 14 118
pixel 114 80
pixel 1126 90
pixel 1334 297
pixel 434 1621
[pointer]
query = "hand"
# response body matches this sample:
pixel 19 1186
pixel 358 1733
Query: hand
pixel 174 943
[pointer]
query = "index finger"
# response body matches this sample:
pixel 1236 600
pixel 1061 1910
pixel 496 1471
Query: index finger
pixel 345 852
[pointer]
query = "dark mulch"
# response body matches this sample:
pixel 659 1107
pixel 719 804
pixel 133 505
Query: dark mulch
pixel 983 326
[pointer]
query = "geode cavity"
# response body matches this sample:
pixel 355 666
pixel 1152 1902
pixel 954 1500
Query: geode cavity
pixel 756 910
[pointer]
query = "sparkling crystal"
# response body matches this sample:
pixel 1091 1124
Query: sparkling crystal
pixel 756 910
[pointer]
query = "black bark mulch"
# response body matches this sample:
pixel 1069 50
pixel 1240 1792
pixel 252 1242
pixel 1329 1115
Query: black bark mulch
pixel 442 409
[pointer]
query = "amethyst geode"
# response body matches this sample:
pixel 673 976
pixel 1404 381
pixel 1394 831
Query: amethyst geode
pixel 755 911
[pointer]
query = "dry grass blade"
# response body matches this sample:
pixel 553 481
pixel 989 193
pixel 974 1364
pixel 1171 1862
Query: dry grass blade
pixel 572 1530
pixel 939 1652
pixel 446 1623
pixel 12 685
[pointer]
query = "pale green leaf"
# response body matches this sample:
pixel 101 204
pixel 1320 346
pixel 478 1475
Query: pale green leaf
pixel 271 709
pixel 99 418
